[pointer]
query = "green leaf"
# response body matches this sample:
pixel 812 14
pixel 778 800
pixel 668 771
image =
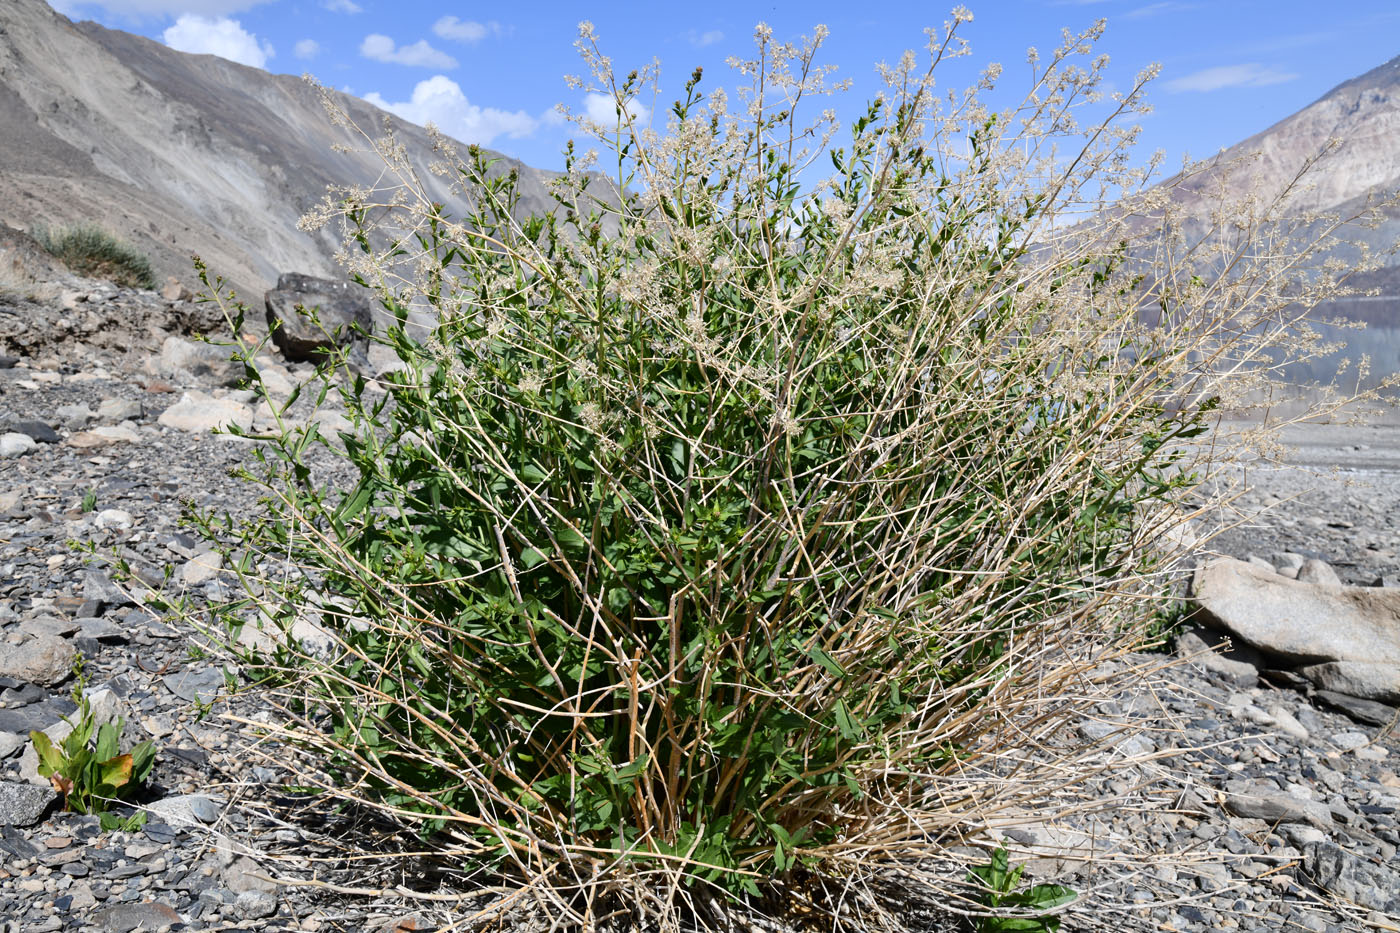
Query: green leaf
pixel 828 663
pixel 1042 897
pixel 115 772
pixel 50 758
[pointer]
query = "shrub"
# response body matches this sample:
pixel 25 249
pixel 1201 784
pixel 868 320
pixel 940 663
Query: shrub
pixel 89 250
pixel 725 533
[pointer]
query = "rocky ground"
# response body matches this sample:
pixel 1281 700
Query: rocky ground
pixel 1270 806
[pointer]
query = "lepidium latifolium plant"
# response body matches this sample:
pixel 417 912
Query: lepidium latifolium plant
pixel 742 534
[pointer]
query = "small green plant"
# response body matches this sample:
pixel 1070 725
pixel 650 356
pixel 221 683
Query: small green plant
pixel 91 771
pixel 998 881
pixel 90 500
pixel 89 250
pixel 112 822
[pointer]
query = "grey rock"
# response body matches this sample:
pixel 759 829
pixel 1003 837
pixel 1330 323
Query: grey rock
pixel 206 362
pixel 255 905
pixel 1275 807
pixel 114 518
pixel 1298 622
pixel 75 417
pixel 11 742
pixel 40 659
pixel 243 875
pixel 24 804
pixel 146 915
pixel 1339 872
pixel 197 412
pixel 184 810
pixel 201 568
pixel 99 586
pixel 201 686
pixel 1367 680
pixel 14 444
pixel 1318 572
pixel 1287 560
pixel 121 409
pixel 338 307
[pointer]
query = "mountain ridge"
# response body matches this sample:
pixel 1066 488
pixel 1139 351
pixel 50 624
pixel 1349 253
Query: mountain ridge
pixel 182 153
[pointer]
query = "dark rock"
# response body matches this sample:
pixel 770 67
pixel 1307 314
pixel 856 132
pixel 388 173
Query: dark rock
pixel 1339 872
pixel 1367 711
pixel 338 307
pixel 33 716
pixel 8 362
pixel 24 804
pixel 37 430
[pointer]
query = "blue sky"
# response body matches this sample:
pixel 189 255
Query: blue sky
pixel 494 73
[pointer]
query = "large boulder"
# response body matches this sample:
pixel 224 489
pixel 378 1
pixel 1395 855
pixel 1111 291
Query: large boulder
pixel 337 306
pixel 1300 623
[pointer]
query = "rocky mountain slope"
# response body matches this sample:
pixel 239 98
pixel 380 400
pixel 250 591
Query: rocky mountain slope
pixel 1363 115
pixel 180 153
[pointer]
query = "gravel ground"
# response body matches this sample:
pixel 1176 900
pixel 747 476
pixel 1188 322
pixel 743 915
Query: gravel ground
pixel 1224 800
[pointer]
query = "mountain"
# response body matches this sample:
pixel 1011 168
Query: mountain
pixel 1363 114
pixel 180 153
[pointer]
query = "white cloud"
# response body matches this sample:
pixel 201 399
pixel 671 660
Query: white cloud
pixel 439 100
pixel 702 39
pixel 602 109
pixel 223 37
pixel 419 55
pixel 450 27
pixel 1223 76
pixel 306 49
pixel 341 6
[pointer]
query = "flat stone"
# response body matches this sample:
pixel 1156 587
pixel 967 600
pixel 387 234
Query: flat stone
pixel 1300 622
pixel 121 409
pixel 201 568
pixel 185 810
pixel 1365 679
pixel 23 804
pixel 1367 711
pixel 147 915
pixel 201 686
pixel 99 586
pixel 200 413
pixel 1275 807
